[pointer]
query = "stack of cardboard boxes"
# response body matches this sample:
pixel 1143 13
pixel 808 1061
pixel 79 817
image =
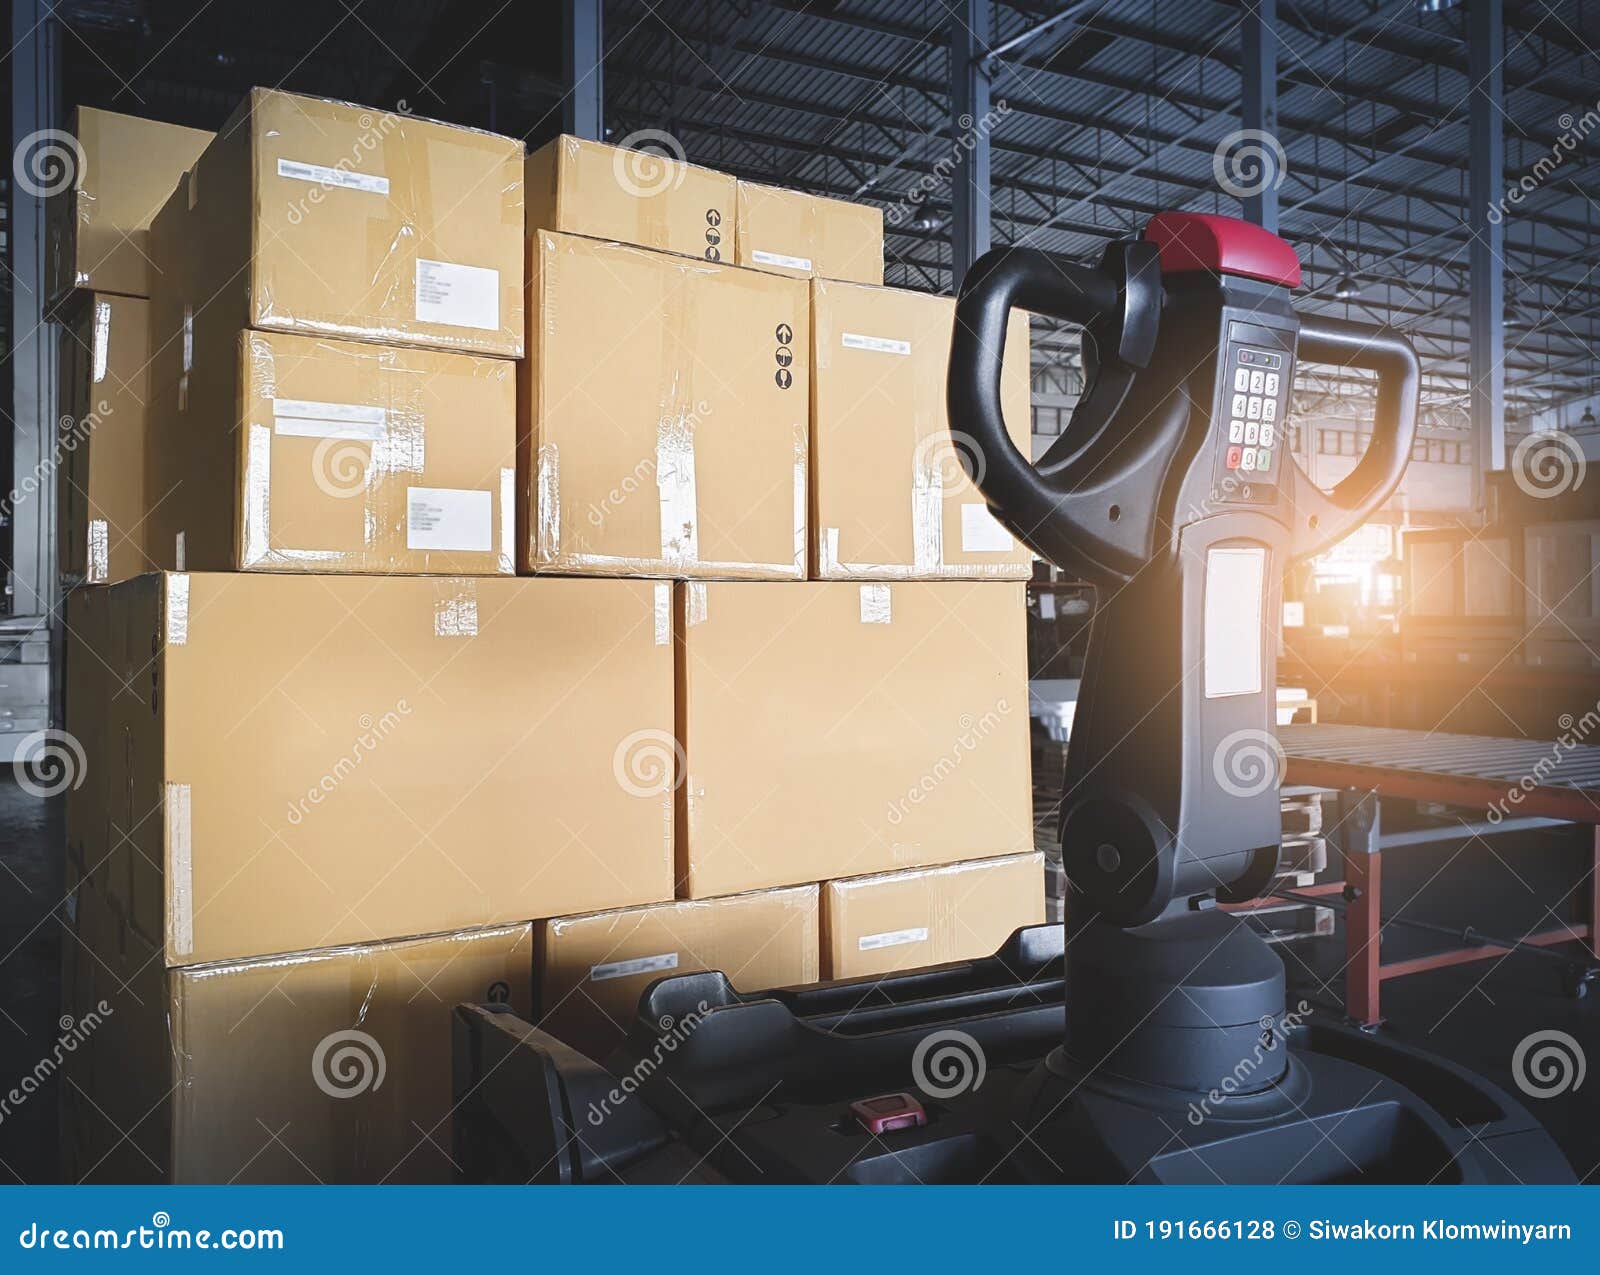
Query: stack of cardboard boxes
pixel 345 768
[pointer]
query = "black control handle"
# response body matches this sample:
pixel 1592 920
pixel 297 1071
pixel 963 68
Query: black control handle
pixel 1323 518
pixel 1118 301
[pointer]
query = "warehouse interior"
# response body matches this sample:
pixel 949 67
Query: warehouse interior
pixel 1422 759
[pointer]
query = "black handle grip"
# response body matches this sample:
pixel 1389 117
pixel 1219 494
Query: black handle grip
pixel 1323 518
pixel 1118 301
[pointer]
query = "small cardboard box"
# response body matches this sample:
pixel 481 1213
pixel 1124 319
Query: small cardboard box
pixel 833 729
pixel 296 453
pixel 308 215
pixel 329 1066
pixel 593 969
pixel 904 920
pixel 102 195
pixel 662 416
pixel 891 487
pixel 808 235
pixel 304 761
pixel 101 508
pixel 639 197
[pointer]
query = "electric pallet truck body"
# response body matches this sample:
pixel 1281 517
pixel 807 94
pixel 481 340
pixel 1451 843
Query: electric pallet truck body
pixel 1156 1045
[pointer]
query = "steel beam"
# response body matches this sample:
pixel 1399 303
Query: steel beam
pixel 1259 76
pixel 582 53
pixel 1486 248
pixel 970 33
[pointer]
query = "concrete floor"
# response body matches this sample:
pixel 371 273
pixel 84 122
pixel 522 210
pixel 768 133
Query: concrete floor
pixel 1473 1014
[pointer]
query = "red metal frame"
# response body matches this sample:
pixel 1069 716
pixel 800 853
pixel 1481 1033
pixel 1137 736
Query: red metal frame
pixel 1365 972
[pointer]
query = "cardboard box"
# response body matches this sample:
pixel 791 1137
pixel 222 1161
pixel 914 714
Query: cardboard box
pixel 104 418
pixel 891 496
pixel 593 969
pixel 307 215
pixel 807 235
pixel 331 1066
pixel 305 761
pixel 638 197
pixel 663 416
pixel 102 196
pixel 296 453
pixel 833 729
pixel 905 920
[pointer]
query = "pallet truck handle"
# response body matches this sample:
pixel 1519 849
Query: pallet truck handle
pixel 1118 302
pixel 1323 518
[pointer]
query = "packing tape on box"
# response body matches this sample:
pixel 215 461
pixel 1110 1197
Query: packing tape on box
pixel 455 608
pixel 694 603
pixel 100 351
pixel 663 602
pixel 97 565
pixel 876 606
pixel 177 609
pixel 180 867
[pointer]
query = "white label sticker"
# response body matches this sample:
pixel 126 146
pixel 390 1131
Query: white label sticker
pixel 982 533
pixel 308 418
pixel 340 177
pixel 878 344
pixel 638 965
pixel 462 296
pixel 1235 583
pixel 778 259
pixel 449 518
pixel 891 938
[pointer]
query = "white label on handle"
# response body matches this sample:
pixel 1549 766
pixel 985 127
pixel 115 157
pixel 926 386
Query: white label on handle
pixel 1235 582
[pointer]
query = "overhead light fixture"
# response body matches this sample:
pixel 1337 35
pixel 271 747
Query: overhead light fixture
pixel 1587 419
pixel 1437 6
pixel 1346 289
pixel 923 223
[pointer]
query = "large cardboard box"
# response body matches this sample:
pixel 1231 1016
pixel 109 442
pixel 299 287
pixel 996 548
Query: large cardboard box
pixel 101 511
pixel 808 235
pixel 593 969
pixel 833 729
pixel 662 416
pixel 102 194
pixel 634 196
pixel 329 1066
pixel 308 215
pixel 296 453
pixel 891 487
pixel 305 761
pixel 904 920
